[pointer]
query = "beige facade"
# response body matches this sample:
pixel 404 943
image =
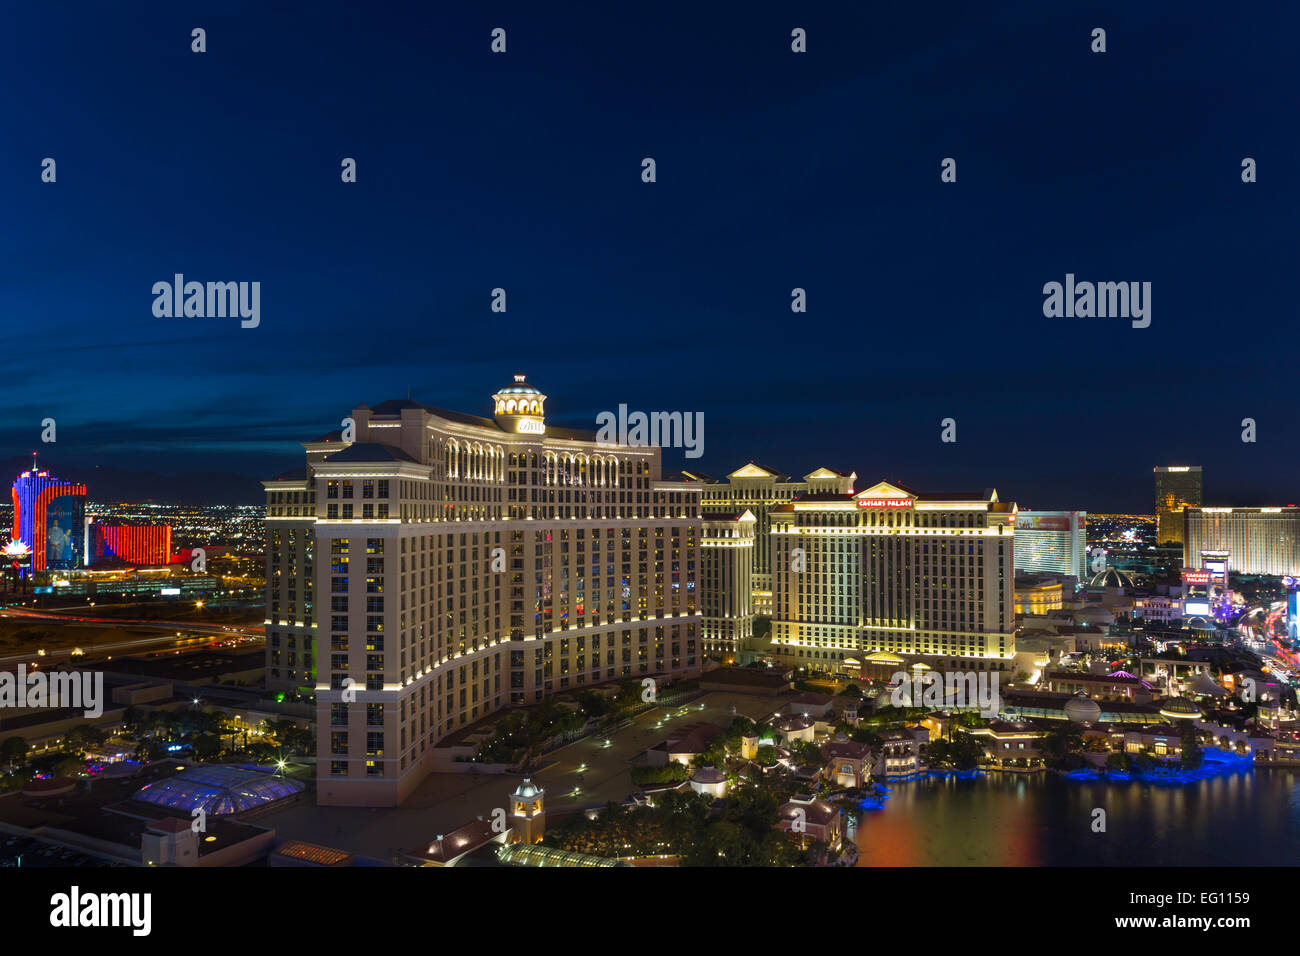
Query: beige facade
pixel 893 574
pixel 727 598
pixel 759 489
pixel 1258 540
pixel 463 565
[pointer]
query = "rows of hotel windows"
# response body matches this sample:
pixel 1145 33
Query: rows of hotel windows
pixel 290 585
pixel 455 568
pixel 368 500
pixel 937 590
pixel 561 582
pixel 457 697
pixel 300 503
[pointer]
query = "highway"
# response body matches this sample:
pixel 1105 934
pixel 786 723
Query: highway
pixel 196 636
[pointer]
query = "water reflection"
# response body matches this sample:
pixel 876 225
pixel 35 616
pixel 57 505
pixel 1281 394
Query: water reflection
pixel 1248 819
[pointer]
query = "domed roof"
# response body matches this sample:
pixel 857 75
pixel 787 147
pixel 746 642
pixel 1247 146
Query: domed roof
pixel 1179 707
pixel 792 724
pixel 1082 709
pixel 527 789
pixel 1112 578
pixel 218 789
pixel 518 387
pixel 709 776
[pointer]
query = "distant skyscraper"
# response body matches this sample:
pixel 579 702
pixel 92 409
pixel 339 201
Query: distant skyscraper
pixel 1052 541
pixel 1177 487
pixel 134 544
pixel 1256 540
pixel 50 517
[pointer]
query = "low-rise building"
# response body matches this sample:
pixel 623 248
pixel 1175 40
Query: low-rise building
pixel 686 743
pixel 848 763
pixel 1115 686
pixel 900 755
pixel 1011 745
pixel 807 818
pixel 795 729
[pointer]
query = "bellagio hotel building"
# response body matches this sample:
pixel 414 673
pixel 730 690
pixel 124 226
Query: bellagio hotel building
pixel 893 577
pixel 440 567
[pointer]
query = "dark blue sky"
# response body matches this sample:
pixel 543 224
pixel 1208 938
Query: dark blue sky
pixel 775 170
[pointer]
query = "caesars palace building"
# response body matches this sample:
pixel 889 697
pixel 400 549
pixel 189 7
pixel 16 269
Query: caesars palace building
pixel 889 576
pixel 860 582
pixel 439 567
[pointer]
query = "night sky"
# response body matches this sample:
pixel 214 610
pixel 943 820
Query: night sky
pixel 775 170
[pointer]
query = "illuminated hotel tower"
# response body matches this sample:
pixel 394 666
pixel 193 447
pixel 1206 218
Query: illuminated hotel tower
pixel 1053 541
pixel 894 577
pixel 760 489
pixel 461 565
pixel 726 598
pixel 1254 540
pixel 37 517
pixel 1177 487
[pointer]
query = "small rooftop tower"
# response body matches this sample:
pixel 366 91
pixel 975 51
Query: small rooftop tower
pixel 520 408
pixel 527 813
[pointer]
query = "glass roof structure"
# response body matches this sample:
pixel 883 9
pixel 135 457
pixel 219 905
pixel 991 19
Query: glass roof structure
pixel 218 790
pixel 526 854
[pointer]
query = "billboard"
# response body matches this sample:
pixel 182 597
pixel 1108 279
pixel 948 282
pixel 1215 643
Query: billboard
pixel 1033 522
pixel 64 536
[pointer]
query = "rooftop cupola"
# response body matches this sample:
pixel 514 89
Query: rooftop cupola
pixel 520 407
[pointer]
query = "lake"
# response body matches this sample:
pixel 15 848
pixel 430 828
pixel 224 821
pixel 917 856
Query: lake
pixel 1237 818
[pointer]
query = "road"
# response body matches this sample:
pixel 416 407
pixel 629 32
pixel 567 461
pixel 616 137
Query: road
pixel 201 635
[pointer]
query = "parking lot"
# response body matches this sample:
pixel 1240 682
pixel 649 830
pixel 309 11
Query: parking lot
pixel 24 851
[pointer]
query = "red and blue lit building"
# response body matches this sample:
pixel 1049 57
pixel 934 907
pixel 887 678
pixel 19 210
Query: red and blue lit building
pixel 49 517
pixel 132 543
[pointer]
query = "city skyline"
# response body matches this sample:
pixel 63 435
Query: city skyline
pixel 676 437
pixel 522 171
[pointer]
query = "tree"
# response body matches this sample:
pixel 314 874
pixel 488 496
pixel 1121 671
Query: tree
pixel 714 755
pixel 738 728
pixel 83 736
pixel 13 752
pixel 963 752
pixel 1060 743
pixel 69 766
pixel 150 750
pixel 1192 754
pixel 806 753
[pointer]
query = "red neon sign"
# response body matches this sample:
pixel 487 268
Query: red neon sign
pixel 1196 577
